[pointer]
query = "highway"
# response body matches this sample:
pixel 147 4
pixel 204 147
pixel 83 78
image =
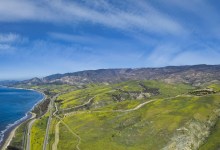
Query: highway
pixel 50 108
pixel 33 118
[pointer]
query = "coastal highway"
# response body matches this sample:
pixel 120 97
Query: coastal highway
pixel 50 108
pixel 33 118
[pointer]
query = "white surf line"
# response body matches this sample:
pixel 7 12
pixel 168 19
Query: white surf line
pixel 20 121
pixel 9 139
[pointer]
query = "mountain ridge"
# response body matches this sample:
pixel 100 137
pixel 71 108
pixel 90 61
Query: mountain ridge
pixel 191 74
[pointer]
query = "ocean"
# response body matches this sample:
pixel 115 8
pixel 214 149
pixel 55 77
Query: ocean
pixel 14 105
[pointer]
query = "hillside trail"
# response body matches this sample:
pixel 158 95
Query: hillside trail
pixel 120 110
pixel 86 103
pixel 57 135
pixel 79 112
pixel 54 146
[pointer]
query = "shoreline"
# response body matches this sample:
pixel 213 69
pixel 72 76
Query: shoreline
pixel 9 132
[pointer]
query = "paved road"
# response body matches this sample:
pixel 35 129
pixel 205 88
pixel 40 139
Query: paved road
pixel 28 147
pixel 49 121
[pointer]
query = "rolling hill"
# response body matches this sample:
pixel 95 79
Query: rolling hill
pixel 195 75
pixel 169 108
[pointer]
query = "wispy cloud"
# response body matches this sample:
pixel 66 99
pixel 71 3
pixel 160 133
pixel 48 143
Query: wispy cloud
pixel 26 10
pixel 9 38
pixel 84 34
pixel 86 39
pixel 6 49
pixel 143 18
pixel 8 42
pixel 202 17
pixel 207 56
pixel 172 54
pixel 161 55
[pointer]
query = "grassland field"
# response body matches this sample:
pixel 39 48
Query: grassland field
pixel 172 119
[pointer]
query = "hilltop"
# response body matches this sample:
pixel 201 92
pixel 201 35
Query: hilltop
pixel 195 75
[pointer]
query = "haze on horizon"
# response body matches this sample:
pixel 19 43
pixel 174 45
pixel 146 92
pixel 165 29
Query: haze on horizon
pixel 44 37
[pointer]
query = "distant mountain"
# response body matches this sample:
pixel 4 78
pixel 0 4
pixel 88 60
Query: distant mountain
pixel 8 82
pixel 195 75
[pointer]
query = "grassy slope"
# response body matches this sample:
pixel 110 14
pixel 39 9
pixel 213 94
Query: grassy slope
pixel 52 133
pixel 66 144
pixel 104 93
pixel 38 132
pixel 213 142
pixel 150 127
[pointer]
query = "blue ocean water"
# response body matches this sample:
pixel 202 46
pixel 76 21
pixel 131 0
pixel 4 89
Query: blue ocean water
pixel 14 104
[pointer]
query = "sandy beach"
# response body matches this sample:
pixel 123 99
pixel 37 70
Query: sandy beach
pixel 10 132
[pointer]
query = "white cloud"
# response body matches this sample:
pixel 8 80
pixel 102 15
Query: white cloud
pixel 6 49
pixel 136 18
pixel 202 9
pixel 207 56
pixel 88 39
pixel 143 18
pixel 171 54
pixel 9 42
pixel 162 55
pixel 10 38
pixel 201 15
pixel 25 10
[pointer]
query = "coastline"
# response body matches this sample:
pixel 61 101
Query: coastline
pixel 9 132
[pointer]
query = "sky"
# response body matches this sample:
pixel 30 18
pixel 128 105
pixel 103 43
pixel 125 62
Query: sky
pixel 43 37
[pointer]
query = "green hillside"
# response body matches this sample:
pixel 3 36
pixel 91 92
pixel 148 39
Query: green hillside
pixel 148 115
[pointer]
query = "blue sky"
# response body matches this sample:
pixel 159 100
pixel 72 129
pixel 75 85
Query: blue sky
pixel 43 37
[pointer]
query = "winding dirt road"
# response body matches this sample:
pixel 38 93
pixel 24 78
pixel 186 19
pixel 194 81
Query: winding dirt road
pixel 78 137
pixel 54 147
pixel 57 132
